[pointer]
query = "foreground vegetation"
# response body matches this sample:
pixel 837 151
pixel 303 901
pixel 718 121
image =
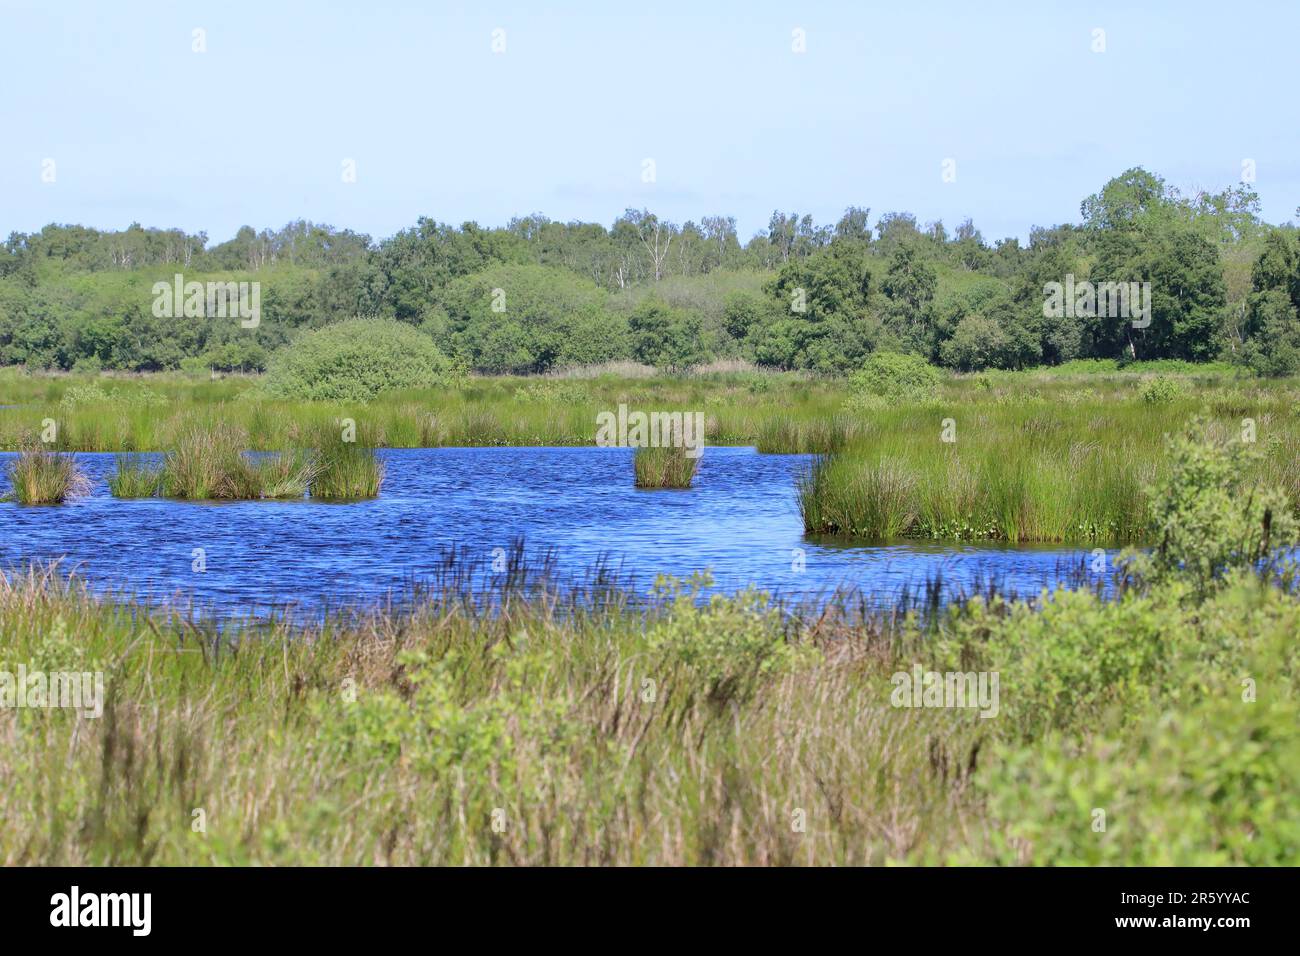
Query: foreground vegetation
pixel 527 726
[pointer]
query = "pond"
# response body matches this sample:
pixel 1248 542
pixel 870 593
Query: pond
pixel 740 521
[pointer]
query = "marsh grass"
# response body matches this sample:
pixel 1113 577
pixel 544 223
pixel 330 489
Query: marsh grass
pixel 345 470
pixel 675 731
pixel 210 464
pixel 987 496
pixel 135 477
pixel 789 435
pixel 869 499
pixel 669 467
pixel 39 477
pixel 207 463
pixel 1039 472
pixel 777 411
pixel 1044 455
pixel 287 474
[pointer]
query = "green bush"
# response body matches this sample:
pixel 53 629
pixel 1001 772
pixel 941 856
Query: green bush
pixel 1160 390
pixel 728 642
pixel 437 730
pixel 356 360
pixel 1209 788
pixel 898 376
pixel 1071 661
pixel 1208 516
pixel 977 343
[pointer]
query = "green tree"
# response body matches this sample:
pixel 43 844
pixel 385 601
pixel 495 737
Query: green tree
pixel 665 337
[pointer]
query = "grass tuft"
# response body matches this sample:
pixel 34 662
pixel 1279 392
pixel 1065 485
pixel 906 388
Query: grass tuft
pixel 210 464
pixel 664 467
pixel 38 477
pixel 135 477
pixel 345 470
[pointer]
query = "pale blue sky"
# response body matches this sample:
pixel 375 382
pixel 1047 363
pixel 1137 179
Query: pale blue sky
pixel 255 130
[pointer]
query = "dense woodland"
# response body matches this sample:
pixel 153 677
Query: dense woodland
pixel 1224 285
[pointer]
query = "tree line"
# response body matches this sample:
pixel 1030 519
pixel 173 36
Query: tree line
pixel 538 294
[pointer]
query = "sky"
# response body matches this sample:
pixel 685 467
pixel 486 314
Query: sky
pixel 112 102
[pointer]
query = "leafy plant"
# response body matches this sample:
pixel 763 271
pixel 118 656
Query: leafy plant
pixel 355 360
pixel 897 376
pixel 1211 514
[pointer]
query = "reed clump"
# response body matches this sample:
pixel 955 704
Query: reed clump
pixel 667 467
pixel 1038 472
pixel 210 464
pixel 345 469
pixel 40 477
pixel 136 476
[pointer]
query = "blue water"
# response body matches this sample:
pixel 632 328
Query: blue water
pixel 740 521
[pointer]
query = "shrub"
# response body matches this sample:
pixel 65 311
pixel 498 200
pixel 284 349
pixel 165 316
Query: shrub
pixel 1143 712
pixel 556 391
pixel 1209 516
pixel 1160 390
pixel 1210 787
pixel 977 343
pixel 666 337
pixel 728 641
pixel 897 376
pixel 76 395
pixel 79 395
pixel 356 360
pixel 1073 660
pixel 435 730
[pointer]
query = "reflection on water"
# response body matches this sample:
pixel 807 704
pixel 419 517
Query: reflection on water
pixel 740 521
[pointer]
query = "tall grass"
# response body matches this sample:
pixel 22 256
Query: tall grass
pixel 345 469
pixel 668 467
pixel 210 464
pixel 537 730
pixel 38 477
pixel 778 412
pixel 287 474
pixel 1041 471
pixel 869 499
pixel 207 463
pixel 135 477
pixel 789 435
pixel 152 413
